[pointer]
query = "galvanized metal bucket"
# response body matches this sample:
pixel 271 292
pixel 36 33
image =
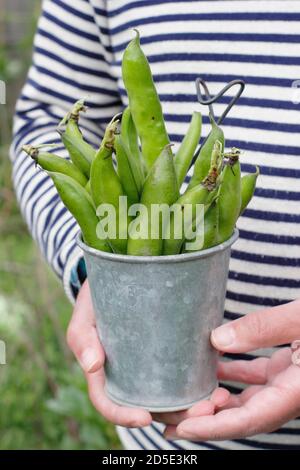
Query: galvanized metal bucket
pixel 154 317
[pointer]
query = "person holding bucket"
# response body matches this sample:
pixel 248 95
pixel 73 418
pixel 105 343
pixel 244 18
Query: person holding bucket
pixel 77 53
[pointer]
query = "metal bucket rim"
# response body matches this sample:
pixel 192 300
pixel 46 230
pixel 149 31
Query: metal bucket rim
pixel 183 257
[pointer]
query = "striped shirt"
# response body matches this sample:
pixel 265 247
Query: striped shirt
pixel 77 52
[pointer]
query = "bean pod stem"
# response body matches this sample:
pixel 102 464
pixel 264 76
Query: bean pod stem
pixel 51 162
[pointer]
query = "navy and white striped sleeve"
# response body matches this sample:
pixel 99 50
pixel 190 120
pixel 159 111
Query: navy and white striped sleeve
pixel 71 60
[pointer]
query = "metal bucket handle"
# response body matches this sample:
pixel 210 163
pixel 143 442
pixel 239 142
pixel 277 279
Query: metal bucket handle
pixel 208 100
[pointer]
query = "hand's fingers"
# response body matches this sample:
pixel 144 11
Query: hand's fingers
pixel 265 411
pixel 223 401
pixel 169 418
pixel 220 397
pixel 248 372
pixel 235 401
pixel 170 432
pixel 269 327
pixel 202 408
pixel 82 336
pixel 280 361
pixel 119 415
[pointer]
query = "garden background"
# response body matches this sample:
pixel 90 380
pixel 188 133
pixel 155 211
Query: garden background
pixel 43 398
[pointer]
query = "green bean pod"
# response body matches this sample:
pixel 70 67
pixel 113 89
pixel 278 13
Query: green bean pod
pixel 203 193
pixel 211 228
pixel 130 138
pixel 248 184
pixel 106 187
pixel 160 188
pixel 88 187
pixel 202 164
pixel 79 203
pixel 81 152
pixel 144 101
pixel 230 199
pixel 125 172
pixel 188 147
pixel 51 162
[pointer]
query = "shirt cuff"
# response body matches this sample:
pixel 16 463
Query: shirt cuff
pixel 74 274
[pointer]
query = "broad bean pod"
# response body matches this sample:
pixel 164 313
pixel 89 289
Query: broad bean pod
pixel 144 101
pixel 130 139
pixel 51 162
pixel 230 199
pixel 81 152
pixel 106 187
pixel 248 184
pixel 160 188
pixel 80 204
pixel 202 164
pixel 203 193
pixel 210 229
pixel 188 147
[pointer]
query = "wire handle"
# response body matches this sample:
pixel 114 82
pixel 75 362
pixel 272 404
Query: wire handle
pixel 210 100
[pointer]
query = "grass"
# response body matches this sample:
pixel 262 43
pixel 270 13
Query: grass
pixel 44 402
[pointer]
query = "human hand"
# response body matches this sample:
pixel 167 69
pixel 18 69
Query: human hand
pixel 273 397
pixel 83 340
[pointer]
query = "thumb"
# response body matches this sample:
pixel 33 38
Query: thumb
pixel 261 329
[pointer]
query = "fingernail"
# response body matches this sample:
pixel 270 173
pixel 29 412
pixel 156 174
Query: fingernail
pixel 89 360
pixel 223 336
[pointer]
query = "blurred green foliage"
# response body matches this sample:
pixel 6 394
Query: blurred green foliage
pixel 44 401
